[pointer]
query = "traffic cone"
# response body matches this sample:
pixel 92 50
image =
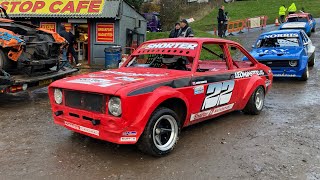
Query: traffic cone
pixel 276 22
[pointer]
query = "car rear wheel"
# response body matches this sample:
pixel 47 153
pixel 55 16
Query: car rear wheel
pixel 161 133
pixel 309 34
pixel 313 29
pixel 305 75
pixel 312 60
pixel 256 102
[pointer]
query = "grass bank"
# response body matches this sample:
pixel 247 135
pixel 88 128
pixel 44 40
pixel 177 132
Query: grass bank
pixel 246 9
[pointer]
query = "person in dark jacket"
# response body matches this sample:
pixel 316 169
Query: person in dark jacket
pixel 221 20
pixel 175 32
pixel 185 30
pixel 225 24
pixel 71 40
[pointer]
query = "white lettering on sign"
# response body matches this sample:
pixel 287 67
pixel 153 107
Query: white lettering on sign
pixel 246 74
pixel 211 112
pixel 281 35
pixel 81 128
pixel 191 46
pixel 128 139
pixel 94 82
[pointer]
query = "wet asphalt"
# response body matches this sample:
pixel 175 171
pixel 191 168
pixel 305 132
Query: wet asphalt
pixel 280 143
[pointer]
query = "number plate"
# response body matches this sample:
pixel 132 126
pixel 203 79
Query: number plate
pixel 45 82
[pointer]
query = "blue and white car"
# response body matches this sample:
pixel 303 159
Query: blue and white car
pixel 287 52
pixel 303 21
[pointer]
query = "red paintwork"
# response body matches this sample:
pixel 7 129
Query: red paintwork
pixel 137 109
pixel 303 15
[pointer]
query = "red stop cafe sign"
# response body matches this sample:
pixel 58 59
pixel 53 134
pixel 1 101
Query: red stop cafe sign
pixel 105 32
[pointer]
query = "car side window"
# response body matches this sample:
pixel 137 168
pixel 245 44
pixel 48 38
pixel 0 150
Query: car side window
pixel 239 59
pixel 212 58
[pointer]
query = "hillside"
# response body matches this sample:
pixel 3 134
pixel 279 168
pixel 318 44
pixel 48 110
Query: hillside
pixel 245 9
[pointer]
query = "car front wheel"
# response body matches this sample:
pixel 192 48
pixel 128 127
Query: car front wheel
pixel 161 133
pixel 312 60
pixel 256 102
pixel 305 75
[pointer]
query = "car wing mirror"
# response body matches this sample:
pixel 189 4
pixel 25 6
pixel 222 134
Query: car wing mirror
pixel 252 46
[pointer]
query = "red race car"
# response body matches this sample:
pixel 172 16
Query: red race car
pixel 164 85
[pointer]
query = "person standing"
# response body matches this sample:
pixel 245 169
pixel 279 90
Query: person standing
pixel 71 40
pixel 292 8
pixel 175 32
pixel 282 13
pixel 225 25
pixel 221 20
pixel 185 30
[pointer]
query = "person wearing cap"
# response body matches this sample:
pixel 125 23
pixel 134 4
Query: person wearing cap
pixel 185 30
pixel 175 32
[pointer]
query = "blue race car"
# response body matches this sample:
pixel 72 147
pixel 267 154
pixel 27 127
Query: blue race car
pixel 303 21
pixel 287 52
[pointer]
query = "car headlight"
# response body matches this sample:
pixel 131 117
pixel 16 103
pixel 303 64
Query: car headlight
pixel 114 106
pixel 293 63
pixel 57 96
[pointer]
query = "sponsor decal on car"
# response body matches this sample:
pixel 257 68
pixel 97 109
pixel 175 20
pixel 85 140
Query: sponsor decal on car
pixel 274 51
pixel 211 112
pixel 281 35
pixel 200 82
pixel 190 46
pixel 128 139
pixel 246 74
pixel 128 79
pixel 133 74
pixel 129 133
pixel 81 128
pixel 284 75
pixel 94 82
pixel 198 90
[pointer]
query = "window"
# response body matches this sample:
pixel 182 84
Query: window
pixel 297 19
pixel 278 42
pixel 162 61
pixel 212 58
pixel 239 60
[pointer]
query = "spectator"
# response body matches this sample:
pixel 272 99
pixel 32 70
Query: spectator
pixel 71 40
pixel 221 20
pixel 282 13
pixel 185 30
pixel 292 8
pixel 175 32
pixel 225 24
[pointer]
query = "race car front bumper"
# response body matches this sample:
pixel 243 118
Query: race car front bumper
pixel 99 126
pixel 288 71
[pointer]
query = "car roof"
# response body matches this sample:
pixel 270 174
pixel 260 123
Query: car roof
pixel 298 15
pixel 283 31
pixel 197 40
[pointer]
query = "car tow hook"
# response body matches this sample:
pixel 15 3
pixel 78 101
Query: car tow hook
pixel 58 113
pixel 95 122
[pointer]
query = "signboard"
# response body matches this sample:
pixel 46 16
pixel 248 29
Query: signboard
pixel 50 7
pixel 105 32
pixel 51 26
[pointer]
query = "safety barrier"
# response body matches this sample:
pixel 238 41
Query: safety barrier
pixel 257 22
pixel 238 26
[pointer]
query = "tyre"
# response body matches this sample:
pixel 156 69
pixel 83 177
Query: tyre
pixel 5 62
pixel 256 102
pixel 313 29
pixel 161 133
pixel 309 34
pixel 311 60
pixel 305 75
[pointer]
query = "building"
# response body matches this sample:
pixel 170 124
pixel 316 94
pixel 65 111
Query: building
pixel 96 24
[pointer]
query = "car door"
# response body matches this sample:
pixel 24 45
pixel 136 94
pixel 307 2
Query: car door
pixel 215 89
pixel 307 44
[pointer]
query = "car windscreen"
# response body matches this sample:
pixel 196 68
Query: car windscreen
pixel 161 61
pixel 278 42
pixel 297 19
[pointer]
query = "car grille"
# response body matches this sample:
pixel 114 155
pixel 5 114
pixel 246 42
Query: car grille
pixel 282 63
pixel 85 101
